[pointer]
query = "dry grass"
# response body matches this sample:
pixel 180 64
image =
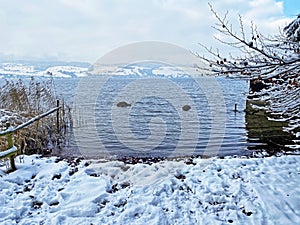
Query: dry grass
pixel 20 102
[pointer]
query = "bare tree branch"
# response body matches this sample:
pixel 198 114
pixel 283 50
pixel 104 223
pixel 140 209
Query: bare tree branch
pixel 260 55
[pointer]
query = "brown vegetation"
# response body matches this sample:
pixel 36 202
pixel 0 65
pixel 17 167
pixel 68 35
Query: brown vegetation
pixel 21 102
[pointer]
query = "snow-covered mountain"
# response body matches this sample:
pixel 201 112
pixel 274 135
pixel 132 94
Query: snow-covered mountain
pixel 68 70
pixel 55 69
pixel 149 70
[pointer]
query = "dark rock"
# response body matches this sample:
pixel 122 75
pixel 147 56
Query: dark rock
pixel 56 176
pixel 58 159
pixel 122 203
pixel 54 203
pixel 186 108
pixel 180 177
pixel 113 189
pixel 189 161
pixel 36 204
pixel 73 171
pixel 247 213
pixel 123 104
pixel 125 184
pixel 26 189
pixel 94 175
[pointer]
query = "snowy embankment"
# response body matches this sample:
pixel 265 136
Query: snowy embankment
pixel 283 104
pixel 194 191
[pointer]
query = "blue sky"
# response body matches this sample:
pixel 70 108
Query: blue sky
pixel 84 30
pixel 291 8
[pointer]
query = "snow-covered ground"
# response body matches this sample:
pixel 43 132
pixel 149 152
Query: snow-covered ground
pixel 185 191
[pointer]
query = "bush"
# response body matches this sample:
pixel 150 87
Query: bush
pixel 21 102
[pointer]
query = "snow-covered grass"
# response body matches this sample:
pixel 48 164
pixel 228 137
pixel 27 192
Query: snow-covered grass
pixel 186 191
pixel 283 104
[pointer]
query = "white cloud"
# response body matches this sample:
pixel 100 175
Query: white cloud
pixel 86 29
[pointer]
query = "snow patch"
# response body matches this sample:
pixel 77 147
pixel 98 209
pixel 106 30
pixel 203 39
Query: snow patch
pixel 230 190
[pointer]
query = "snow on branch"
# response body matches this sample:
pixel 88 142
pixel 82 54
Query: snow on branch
pixel 293 30
pixel 267 57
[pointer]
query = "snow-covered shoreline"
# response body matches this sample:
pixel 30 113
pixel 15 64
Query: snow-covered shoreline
pixel 195 191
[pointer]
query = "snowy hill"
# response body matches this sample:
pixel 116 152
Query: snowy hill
pixel 68 70
pixel 55 69
pixel 153 70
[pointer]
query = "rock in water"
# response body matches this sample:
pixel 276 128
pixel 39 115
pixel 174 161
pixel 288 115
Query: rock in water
pixel 186 108
pixel 123 104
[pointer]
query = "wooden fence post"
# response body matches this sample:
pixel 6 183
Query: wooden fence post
pixel 57 117
pixel 235 107
pixel 12 151
pixel 10 144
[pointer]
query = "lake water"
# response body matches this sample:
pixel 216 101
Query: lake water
pixel 155 123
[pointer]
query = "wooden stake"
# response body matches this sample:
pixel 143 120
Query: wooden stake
pixel 10 144
pixel 57 116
